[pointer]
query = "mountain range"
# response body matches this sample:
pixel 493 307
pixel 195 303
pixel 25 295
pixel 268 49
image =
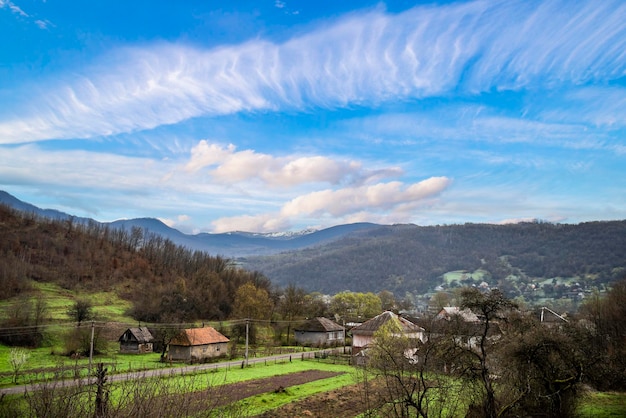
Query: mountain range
pixel 533 260
pixel 229 245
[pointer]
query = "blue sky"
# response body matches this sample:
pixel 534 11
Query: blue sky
pixel 270 116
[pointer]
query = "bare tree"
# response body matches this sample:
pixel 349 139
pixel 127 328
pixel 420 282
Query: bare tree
pixel 291 306
pixel 406 371
pixel 138 396
pixel 480 345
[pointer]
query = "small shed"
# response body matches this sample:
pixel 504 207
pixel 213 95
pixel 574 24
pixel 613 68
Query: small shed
pixel 320 332
pixel 363 335
pixel 198 344
pixel 136 340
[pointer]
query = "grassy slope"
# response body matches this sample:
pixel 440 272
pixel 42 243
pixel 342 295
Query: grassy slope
pixel 107 307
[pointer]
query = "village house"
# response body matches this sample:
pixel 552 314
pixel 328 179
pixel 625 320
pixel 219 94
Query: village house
pixel 448 312
pixel 320 332
pixel 136 340
pixel 197 345
pixel 363 335
pixel 466 327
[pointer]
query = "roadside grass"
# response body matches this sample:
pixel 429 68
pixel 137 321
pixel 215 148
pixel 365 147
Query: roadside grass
pixel 49 362
pixel 44 364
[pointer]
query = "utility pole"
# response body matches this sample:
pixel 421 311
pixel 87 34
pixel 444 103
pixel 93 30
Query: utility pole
pixel 247 331
pixel 90 351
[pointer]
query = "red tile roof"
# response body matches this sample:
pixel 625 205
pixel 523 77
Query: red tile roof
pixel 199 336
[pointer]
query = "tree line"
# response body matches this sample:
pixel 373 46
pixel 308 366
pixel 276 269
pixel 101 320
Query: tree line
pixel 411 258
pixel 164 281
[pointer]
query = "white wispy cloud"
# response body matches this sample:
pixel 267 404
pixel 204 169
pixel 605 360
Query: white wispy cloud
pixel 597 105
pixel 43 24
pixel 362 59
pixel 565 128
pixel 18 11
pixel 80 169
pixel 13 8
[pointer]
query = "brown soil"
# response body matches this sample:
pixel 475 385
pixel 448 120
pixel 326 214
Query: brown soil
pixel 348 401
pixel 228 394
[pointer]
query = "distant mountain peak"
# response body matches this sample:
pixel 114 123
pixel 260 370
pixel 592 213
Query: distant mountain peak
pixel 284 234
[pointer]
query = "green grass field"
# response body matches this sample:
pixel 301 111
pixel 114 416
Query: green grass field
pixel 460 275
pixel 42 364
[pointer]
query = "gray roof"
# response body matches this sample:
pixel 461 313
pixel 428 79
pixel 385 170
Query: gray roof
pixel 319 324
pixel 371 326
pixel 140 334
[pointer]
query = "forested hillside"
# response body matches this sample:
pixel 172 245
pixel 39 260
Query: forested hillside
pixel 165 282
pixel 409 258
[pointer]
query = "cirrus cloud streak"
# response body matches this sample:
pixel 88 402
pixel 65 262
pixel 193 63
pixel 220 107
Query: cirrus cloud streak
pixel 361 59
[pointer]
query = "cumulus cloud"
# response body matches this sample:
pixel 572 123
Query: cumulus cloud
pixel 379 196
pixel 227 165
pixel 361 59
pixel 180 219
pixel 251 223
pixel 351 204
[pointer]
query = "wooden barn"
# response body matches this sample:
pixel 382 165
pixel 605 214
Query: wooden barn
pixel 198 345
pixel 136 340
pixel 320 332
